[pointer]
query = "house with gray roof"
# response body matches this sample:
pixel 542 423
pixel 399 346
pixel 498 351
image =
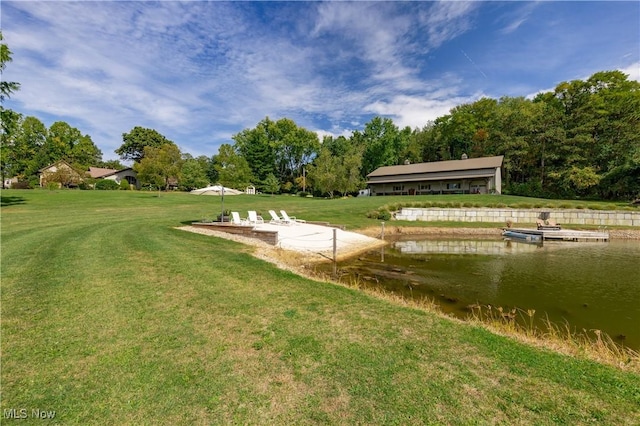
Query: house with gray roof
pixel 127 174
pixel 466 176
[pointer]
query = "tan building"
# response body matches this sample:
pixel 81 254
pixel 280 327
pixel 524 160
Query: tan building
pixel 65 175
pixel 127 174
pixel 467 176
pixel 60 173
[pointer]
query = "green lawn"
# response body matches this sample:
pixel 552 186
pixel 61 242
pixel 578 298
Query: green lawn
pixel 112 316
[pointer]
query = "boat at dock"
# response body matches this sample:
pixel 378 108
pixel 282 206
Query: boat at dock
pixel 521 236
pixel 555 234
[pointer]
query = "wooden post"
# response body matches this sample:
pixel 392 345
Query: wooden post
pixel 335 253
pixel 382 232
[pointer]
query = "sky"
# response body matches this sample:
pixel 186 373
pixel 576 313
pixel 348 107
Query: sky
pixel 199 72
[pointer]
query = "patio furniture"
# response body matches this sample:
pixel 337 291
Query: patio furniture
pixel 275 219
pixel 290 219
pixel 254 218
pixel 236 220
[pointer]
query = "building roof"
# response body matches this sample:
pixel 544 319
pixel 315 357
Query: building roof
pixel 98 172
pixel 56 164
pixel 438 167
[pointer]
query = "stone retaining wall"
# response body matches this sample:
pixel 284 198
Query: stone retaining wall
pixel 270 237
pixel 521 216
pixel 463 247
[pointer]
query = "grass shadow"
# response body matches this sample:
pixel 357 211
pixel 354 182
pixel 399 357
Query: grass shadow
pixel 6 201
pixel 199 220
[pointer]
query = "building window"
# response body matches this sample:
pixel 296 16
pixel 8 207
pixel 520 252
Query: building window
pixel 398 187
pixel 425 187
pixel 453 186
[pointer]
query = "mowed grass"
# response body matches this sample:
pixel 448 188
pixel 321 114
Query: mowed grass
pixel 110 315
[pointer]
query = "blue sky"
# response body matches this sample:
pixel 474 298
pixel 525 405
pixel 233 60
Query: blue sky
pixel 199 72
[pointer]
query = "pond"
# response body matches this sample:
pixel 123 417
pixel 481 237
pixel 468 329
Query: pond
pixel 584 285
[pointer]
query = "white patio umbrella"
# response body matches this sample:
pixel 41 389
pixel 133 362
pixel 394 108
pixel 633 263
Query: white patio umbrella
pixel 216 190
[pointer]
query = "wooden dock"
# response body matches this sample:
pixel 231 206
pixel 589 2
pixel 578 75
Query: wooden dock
pixel 564 234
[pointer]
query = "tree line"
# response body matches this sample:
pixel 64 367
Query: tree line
pixel 581 140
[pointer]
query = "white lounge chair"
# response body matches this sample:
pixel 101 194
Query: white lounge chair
pixel 254 218
pixel 290 219
pixel 236 220
pixel 275 219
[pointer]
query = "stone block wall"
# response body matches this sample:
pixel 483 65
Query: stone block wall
pixel 521 216
pixel 463 247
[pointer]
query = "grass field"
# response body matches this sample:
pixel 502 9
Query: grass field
pixel 112 316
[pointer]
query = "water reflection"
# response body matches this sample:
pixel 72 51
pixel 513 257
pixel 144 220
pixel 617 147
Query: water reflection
pixel 587 285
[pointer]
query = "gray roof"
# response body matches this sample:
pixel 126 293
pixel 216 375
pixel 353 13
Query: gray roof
pixel 438 166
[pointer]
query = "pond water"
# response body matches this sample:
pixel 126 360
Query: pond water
pixel 585 285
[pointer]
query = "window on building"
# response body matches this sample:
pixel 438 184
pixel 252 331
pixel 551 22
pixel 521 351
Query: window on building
pixel 398 187
pixel 453 186
pixel 426 187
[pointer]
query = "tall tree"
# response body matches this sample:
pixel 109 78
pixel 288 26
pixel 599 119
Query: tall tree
pixel 68 143
pixel 278 147
pixel 331 173
pixel 6 87
pixel 159 165
pixel 254 145
pixel 136 140
pixel 193 174
pixel 233 169
pixel 294 147
pixel 271 184
pixel 324 171
pixel 8 118
pixel 382 144
pixel 31 138
pixel 9 155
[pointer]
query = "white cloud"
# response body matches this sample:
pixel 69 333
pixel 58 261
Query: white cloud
pixel 633 71
pixel 414 111
pixel 446 20
pixel 198 72
pixel 518 16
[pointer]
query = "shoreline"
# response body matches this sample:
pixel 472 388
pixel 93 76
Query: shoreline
pixel 303 265
pixel 299 261
pixel 617 234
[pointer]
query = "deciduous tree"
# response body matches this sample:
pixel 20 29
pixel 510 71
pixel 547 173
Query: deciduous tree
pixel 233 169
pixel 136 140
pixel 159 165
pixel 193 174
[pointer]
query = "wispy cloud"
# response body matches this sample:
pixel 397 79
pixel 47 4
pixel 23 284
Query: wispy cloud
pixel 447 20
pixel 198 72
pixel 516 17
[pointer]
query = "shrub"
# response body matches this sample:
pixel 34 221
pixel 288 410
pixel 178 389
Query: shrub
pixel 302 194
pixel 384 215
pixel 21 185
pixel 124 185
pixel 107 185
